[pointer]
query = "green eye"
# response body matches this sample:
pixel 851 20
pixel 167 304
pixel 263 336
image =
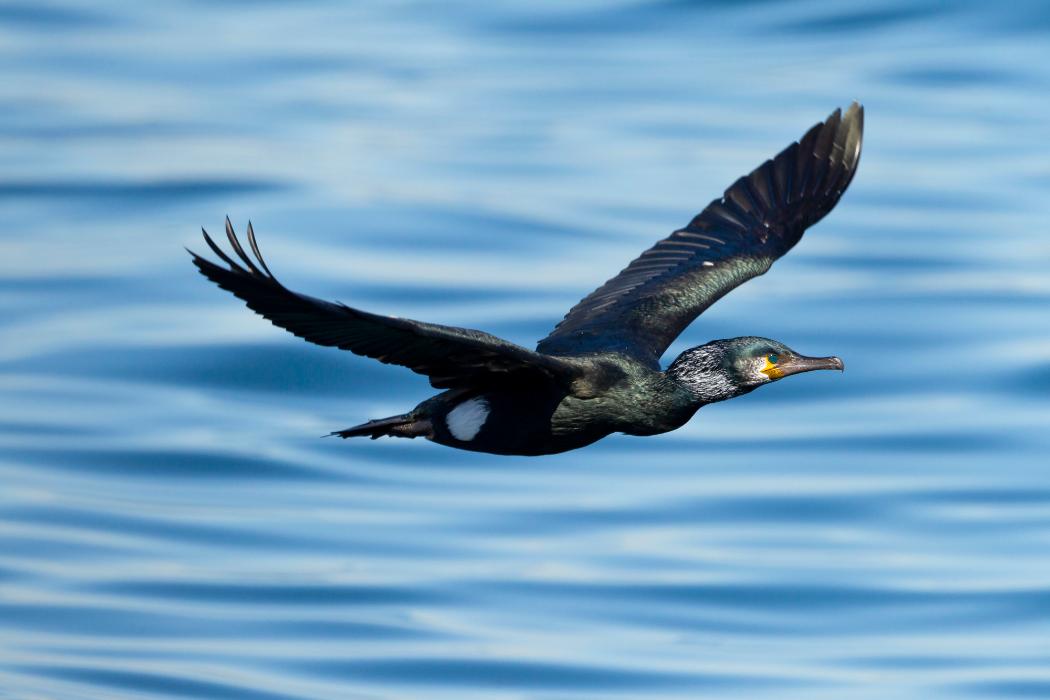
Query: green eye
pixel 772 357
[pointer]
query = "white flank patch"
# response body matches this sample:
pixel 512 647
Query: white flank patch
pixel 465 420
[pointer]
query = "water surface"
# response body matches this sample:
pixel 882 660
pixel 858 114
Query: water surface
pixel 172 527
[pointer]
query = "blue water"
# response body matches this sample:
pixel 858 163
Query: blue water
pixel 171 526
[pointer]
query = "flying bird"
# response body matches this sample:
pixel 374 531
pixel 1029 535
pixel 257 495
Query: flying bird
pixel 598 372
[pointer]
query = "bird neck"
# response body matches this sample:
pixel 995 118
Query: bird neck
pixel 702 372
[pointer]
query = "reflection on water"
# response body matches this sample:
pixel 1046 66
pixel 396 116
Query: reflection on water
pixel 171 525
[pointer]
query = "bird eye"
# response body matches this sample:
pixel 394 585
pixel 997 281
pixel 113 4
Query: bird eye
pixel 772 357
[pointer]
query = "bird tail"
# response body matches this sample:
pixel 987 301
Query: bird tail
pixel 406 425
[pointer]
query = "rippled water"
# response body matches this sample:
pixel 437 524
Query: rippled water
pixel 172 527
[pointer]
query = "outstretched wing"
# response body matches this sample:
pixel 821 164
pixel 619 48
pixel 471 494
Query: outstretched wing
pixel 451 357
pixel 758 219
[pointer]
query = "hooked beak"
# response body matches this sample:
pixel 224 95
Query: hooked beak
pixel 800 363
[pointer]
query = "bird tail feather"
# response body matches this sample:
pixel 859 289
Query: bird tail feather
pixel 405 425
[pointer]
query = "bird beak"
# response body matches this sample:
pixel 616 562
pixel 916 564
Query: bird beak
pixel 800 363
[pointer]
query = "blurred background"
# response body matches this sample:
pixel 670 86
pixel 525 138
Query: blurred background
pixel 172 527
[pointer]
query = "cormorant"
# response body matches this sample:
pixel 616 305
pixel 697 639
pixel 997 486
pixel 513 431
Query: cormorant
pixel 598 372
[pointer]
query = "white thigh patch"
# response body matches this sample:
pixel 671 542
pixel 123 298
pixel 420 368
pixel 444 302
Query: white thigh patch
pixel 465 420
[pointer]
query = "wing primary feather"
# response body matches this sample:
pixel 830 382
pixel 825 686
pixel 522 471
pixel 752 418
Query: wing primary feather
pixel 255 251
pixel 782 172
pixel 804 162
pixel 236 244
pixel 822 154
pixel 218 251
pixel 822 149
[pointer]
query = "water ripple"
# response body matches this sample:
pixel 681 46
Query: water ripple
pixel 172 525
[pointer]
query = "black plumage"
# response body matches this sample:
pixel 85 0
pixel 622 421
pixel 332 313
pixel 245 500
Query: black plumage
pixel 451 357
pixel 736 237
pixel 598 371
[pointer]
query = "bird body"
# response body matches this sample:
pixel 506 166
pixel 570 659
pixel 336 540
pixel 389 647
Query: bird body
pixel 542 418
pixel 598 372
pixel 639 402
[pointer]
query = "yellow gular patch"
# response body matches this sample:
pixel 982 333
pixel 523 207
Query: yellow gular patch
pixel 771 370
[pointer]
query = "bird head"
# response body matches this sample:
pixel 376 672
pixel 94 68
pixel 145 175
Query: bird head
pixel 723 369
